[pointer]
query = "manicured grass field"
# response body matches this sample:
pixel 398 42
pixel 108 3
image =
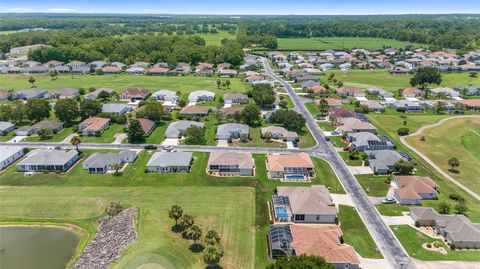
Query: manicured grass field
pixel 456 137
pixel 339 43
pixel 338 141
pixel 356 234
pixel 58 137
pixel 326 126
pixel 392 209
pixel 106 137
pixel 350 162
pixel 374 185
pixel 229 210
pixel 216 39
pixel 184 84
pixel 382 78
pixel 388 125
pixel 412 240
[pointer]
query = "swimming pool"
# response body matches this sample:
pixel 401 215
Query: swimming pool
pixel 295 178
pixel 281 213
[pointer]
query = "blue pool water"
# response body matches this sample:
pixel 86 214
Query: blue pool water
pixel 281 213
pixel 295 178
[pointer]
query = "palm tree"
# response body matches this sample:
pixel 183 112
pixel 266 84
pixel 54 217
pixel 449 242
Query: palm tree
pixel 186 221
pixel 212 255
pixel 175 213
pixel 352 152
pixel 212 237
pixel 75 141
pixel 194 233
pixel 32 80
pixel 453 162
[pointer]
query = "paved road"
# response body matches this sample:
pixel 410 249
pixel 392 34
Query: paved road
pixel 387 243
pixel 432 164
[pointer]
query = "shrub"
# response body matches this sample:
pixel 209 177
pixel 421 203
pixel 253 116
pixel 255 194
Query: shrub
pixel 403 131
pixel 417 223
pixel 114 208
pixel 429 245
pixel 454 196
pixel 436 244
pixel 75 128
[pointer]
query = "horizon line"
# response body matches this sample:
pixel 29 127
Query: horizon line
pixel 226 14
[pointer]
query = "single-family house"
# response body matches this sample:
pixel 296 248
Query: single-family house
pixel 158 71
pixel 411 92
pixel 382 161
pixel 227 73
pixel 312 204
pixel 97 64
pixel 176 129
pixel 363 141
pixel 165 95
pixel 194 111
pixel 200 96
pixel 134 94
pixel 109 70
pixel 373 106
pixel 76 64
pixel 278 132
pixel 380 92
pixel 135 70
pixel 140 64
pixel 231 111
pixel 25 130
pixel 471 103
pixel 444 90
pixel 333 104
pixel 94 95
pixel 6 127
pixel 410 190
pixel 170 162
pixel 147 125
pixel 53 125
pixel 40 160
pixel 115 108
pixel 28 94
pixel 350 91
pixel 405 105
pixel 65 93
pixel 53 63
pixel 309 84
pixel 457 230
pixel 353 125
pixel 9 154
pixel 93 125
pixel 232 131
pixel 283 165
pixel 231 163
pixel 235 98
pixel 100 163
pixel 118 64
pixel 340 114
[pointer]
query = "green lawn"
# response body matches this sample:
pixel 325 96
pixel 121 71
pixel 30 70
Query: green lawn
pixel 338 141
pixel 184 84
pixel 390 82
pixel 58 137
pixel 339 43
pixel 216 39
pixel 153 193
pixel 313 109
pixel 326 126
pixel 106 137
pixel 356 234
pixel 351 162
pixel 7 137
pixel 442 143
pixel 412 240
pixel 374 185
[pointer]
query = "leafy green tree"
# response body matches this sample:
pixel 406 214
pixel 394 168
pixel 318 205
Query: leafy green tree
pixel 453 162
pixel 263 95
pixel 104 95
pixel 152 111
pixel 37 109
pixel 444 207
pixel 194 135
pixel 212 237
pixel 75 141
pixel 89 108
pixel 283 103
pixel 186 221
pixel 66 110
pixel 135 132
pixel 219 82
pixel 175 213
pixel 114 208
pixel 44 133
pixel 302 261
pixel 403 131
pixel 116 167
pixel 212 255
pixel 268 136
pixel 403 167
pixel 251 114
pixel 290 119
pixel 461 207
pixel 323 106
pixel 227 82
pixel 425 76
pixel 194 232
pixel 32 81
pixel 352 152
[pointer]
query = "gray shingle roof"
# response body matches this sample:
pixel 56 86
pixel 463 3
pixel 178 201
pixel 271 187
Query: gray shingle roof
pixel 48 157
pixel 166 159
pixel 229 128
pixel 115 108
pixel 176 128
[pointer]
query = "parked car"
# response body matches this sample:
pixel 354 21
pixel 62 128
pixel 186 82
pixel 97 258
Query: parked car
pixel 150 147
pixel 389 200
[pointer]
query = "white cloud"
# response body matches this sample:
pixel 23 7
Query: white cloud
pixel 18 9
pixel 62 10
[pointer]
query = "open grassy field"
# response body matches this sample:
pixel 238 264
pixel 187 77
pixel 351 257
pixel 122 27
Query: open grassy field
pixel 456 137
pixel 72 198
pixel 339 43
pixel 184 84
pixel 216 39
pixel 229 210
pixel 390 82
pixel 374 185
pixel 412 240
pixel 388 125
pixel 356 234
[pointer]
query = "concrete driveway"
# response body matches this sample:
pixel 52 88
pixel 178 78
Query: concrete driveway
pixel 342 199
pixel 374 263
pixel 398 220
pixel 119 138
pixel 446 264
pixel 170 142
pixel 360 170
pixel 17 138
pixel 69 138
pixel 222 143
pixel 290 145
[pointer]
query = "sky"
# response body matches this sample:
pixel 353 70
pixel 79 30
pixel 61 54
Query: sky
pixel 244 7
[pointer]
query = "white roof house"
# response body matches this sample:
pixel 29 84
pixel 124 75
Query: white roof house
pixel 48 160
pixel 170 162
pixel 165 95
pixel 118 109
pixel 232 130
pixel 6 126
pixel 197 96
pixel 9 154
pixel 175 129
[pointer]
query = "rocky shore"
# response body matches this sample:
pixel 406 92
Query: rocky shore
pixel 115 233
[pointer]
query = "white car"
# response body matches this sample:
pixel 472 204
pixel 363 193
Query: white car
pixel 389 200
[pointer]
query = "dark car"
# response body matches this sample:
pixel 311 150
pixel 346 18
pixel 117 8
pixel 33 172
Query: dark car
pixel 150 147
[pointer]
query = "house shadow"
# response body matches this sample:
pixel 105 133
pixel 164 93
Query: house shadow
pixel 176 229
pixel 214 266
pixel 196 248
pixel 454 171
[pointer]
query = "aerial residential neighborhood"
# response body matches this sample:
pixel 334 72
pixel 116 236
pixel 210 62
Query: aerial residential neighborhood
pixel 183 135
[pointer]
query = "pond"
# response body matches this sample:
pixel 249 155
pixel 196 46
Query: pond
pixel 26 247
